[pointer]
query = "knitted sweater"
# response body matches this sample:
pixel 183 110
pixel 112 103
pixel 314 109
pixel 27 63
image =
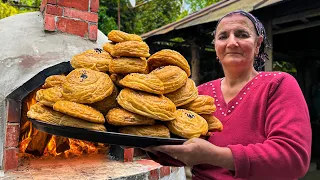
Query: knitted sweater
pixel 266 126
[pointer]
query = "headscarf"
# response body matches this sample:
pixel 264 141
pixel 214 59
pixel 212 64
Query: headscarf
pixel 262 56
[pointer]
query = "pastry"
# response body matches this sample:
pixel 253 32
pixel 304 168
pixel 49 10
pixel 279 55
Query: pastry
pixel 214 124
pixel 172 77
pixel 79 111
pixel 49 96
pixel 168 57
pixel 126 65
pixel 116 78
pixel 131 49
pixel 120 36
pixel 108 47
pixel 54 80
pixel 185 94
pixel 154 106
pixel 87 86
pixel 95 59
pixel 122 117
pixel 203 104
pixel 143 82
pixel 42 113
pixel 158 130
pixel 188 124
pixel 107 103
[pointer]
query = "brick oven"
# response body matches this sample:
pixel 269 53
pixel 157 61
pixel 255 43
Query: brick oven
pixel 33 47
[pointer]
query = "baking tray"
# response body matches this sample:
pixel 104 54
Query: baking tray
pixel 104 137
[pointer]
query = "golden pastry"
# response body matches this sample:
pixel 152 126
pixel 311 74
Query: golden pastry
pixel 120 36
pixel 116 78
pixel 188 124
pixel 143 82
pixel 158 130
pixel 172 77
pixel 95 59
pixel 107 103
pixel 49 96
pixel 122 117
pixel 39 112
pixel 126 65
pixel 54 80
pixel 214 124
pixel 131 49
pixel 185 94
pixel 168 57
pixel 87 86
pixel 79 111
pixel 154 106
pixel 108 47
pixel 203 104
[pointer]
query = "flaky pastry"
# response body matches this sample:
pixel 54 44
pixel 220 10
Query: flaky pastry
pixel 42 113
pixel 188 124
pixel 79 111
pixel 214 124
pixel 107 103
pixel 131 49
pixel 154 106
pixel 95 59
pixel 185 94
pixel 54 80
pixel 120 36
pixel 168 57
pixel 122 117
pixel 49 96
pixel 143 82
pixel 108 47
pixel 172 77
pixel 126 65
pixel 158 130
pixel 203 104
pixel 87 86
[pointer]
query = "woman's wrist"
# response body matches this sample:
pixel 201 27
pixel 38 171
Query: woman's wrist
pixel 222 157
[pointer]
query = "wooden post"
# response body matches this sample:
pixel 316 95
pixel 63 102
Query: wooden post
pixel 195 63
pixel 268 27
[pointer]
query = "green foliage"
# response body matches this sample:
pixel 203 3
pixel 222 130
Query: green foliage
pixel 284 66
pixel 7 10
pixel 196 5
pixel 143 18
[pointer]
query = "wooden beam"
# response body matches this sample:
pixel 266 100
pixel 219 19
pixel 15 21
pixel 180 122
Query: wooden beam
pixel 195 63
pixel 305 20
pixel 296 16
pixel 298 27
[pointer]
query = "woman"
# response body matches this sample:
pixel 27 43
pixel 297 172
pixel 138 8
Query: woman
pixel 266 133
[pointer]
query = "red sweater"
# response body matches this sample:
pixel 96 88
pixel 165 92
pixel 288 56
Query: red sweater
pixel 266 126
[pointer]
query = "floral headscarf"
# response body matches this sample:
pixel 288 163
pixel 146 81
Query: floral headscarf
pixel 262 55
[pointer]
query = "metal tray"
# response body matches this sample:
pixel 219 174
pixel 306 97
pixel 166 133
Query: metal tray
pixel 105 137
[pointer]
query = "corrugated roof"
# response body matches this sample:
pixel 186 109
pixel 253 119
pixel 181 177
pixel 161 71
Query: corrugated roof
pixel 211 13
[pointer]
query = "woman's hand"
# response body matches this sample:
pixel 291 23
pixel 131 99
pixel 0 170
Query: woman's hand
pixel 192 152
pixel 198 151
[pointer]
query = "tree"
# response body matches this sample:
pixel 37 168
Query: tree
pixel 196 5
pixel 144 18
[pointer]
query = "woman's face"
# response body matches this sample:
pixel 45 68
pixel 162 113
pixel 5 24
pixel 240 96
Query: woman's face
pixel 236 41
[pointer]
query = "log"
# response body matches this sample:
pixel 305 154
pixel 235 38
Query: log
pixel 38 143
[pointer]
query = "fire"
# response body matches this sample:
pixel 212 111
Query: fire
pixel 37 143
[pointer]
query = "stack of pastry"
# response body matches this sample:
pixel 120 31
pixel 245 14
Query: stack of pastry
pixel 118 86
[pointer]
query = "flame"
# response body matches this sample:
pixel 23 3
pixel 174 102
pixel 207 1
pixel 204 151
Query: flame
pixel 75 148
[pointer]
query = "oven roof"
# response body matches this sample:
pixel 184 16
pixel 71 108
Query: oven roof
pixel 26 49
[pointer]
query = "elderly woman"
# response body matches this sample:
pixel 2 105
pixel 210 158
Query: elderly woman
pixel 266 133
